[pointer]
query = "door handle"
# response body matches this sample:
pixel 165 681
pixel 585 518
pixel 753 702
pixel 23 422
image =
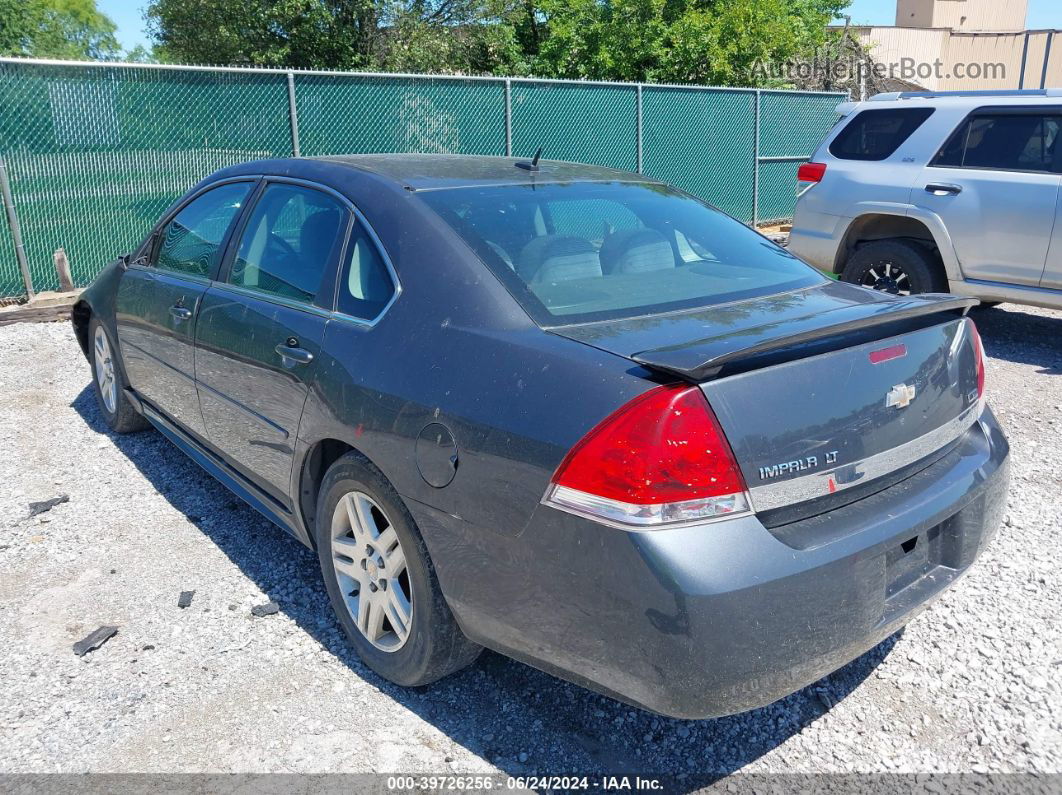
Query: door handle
pixel 292 352
pixel 180 313
pixel 941 190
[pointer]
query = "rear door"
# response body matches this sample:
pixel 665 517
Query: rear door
pixel 995 184
pixel 1052 275
pixel 160 295
pixel 261 326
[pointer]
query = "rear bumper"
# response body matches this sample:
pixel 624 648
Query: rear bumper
pixel 711 620
pixel 815 237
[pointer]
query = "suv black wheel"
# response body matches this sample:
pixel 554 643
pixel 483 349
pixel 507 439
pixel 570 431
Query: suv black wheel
pixel 381 581
pixel 898 267
pixel 108 383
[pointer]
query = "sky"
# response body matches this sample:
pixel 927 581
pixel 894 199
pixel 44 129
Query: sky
pixel 1042 13
pixel 128 15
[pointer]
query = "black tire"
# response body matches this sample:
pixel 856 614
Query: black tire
pixel 898 267
pixel 435 646
pixel 120 416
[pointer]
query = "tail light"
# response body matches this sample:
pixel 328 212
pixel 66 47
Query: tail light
pixel 811 172
pixel 979 360
pixel 659 460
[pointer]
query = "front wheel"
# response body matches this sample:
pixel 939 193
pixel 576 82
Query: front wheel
pixel 108 383
pixel 381 581
pixel 898 267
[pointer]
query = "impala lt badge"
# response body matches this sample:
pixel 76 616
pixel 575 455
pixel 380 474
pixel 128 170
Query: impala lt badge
pixel 800 465
pixel 900 396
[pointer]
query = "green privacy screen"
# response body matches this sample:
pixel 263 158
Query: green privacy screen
pixel 791 128
pixel 704 142
pixel 95 152
pixel 588 123
pixel 355 114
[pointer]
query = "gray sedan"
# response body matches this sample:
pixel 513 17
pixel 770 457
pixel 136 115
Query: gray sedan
pixel 564 412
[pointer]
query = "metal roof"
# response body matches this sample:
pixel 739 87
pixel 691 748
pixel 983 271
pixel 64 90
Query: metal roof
pixel 431 172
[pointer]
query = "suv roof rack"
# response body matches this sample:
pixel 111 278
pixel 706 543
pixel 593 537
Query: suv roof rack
pixel 1027 92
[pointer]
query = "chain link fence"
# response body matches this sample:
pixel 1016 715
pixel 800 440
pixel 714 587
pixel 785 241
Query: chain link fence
pixel 94 152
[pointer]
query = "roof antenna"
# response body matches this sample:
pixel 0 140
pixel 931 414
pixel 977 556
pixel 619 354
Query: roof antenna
pixel 533 165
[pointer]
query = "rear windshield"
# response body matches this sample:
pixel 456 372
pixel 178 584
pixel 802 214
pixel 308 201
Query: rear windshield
pixel 579 252
pixel 876 134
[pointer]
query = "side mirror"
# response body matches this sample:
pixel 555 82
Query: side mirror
pixel 126 260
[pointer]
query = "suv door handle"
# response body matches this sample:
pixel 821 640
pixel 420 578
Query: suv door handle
pixel 940 190
pixel 180 313
pixel 290 350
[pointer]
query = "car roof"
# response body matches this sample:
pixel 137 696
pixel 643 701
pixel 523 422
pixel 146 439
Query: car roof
pixel 422 172
pixel 961 100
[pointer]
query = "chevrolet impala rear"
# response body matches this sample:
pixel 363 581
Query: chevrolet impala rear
pixel 564 412
pixel 804 466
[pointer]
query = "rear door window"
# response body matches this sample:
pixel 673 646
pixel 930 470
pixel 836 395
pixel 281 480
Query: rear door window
pixel 191 242
pixel 1003 142
pixel 877 134
pixel 291 240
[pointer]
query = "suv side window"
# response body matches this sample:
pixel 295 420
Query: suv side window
pixel 1004 142
pixel 366 286
pixel 292 237
pixel 877 134
pixel 191 242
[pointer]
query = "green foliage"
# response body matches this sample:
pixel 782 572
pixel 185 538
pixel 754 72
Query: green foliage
pixel 71 29
pixel 680 41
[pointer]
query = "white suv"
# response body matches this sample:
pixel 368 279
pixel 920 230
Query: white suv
pixel 939 192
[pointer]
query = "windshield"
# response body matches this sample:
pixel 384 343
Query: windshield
pixel 579 252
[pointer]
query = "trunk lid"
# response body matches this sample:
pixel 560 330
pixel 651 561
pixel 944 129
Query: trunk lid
pixel 821 390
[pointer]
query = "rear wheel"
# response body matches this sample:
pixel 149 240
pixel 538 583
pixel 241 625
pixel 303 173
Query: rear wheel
pixel 898 267
pixel 381 581
pixel 109 383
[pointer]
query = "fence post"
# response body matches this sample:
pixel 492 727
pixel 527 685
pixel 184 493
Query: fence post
pixel 508 117
pixel 293 115
pixel 639 128
pixel 756 164
pixel 16 230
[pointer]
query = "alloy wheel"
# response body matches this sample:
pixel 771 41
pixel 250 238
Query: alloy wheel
pixel 887 277
pixel 370 567
pixel 105 370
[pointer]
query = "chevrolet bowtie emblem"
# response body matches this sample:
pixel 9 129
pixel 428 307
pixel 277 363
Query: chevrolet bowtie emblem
pixel 900 396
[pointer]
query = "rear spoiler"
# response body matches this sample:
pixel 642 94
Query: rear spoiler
pixel 701 359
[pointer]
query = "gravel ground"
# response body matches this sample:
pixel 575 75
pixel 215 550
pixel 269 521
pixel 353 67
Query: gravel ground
pixel 971 685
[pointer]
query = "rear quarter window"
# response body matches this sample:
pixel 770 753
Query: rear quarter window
pixel 877 134
pixel 1004 142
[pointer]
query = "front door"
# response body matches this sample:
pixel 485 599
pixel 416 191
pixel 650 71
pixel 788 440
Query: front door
pixel 261 326
pixel 159 297
pixel 995 184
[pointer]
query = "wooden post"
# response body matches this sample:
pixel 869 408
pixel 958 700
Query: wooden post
pixel 62 268
pixel 16 230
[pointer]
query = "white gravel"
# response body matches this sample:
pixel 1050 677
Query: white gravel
pixel 971 685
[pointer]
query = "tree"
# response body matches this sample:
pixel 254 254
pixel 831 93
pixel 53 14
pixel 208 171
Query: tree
pixel 680 41
pixel 71 29
pixel 448 35
pixel 677 41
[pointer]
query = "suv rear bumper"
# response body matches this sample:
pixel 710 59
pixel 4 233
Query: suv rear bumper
pixel 816 237
pixel 719 618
